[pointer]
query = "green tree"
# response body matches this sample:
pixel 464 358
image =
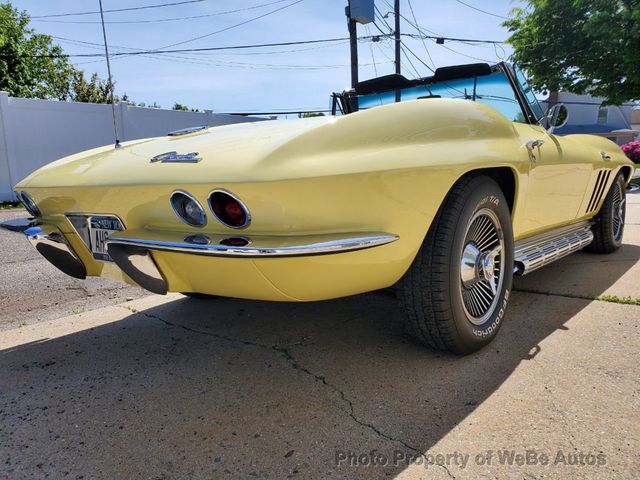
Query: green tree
pixel 92 91
pixel 184 108
pixel 311 115
pixel 580 46
pixel 30 64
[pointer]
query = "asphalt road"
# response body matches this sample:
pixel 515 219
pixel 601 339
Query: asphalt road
pixel 32 290
pixel 171 387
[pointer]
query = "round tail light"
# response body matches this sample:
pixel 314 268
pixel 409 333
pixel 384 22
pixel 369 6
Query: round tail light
pixel 229 210
pixel 188 209
pixel 29 204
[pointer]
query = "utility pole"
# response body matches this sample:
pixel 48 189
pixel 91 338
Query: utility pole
pixel 396 9
pixel 363 12
pixel 353 39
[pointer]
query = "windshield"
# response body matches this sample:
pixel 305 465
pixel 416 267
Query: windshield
pixel 493 90
pixel 529 94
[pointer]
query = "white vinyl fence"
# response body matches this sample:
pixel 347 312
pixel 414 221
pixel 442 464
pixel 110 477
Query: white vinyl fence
pixel 36 132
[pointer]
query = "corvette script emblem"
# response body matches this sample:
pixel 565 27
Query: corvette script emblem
pixel 175 157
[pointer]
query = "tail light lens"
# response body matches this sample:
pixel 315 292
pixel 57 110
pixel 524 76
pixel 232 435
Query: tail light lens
pixel 29 204
pixel 235 242
pixel 188 209
pixel 229 210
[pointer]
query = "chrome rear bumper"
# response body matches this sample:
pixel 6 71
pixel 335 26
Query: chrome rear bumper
pixel 130 250
pixel 53 246
pixel 259 246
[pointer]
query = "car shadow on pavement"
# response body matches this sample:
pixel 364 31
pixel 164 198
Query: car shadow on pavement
pixel 222 387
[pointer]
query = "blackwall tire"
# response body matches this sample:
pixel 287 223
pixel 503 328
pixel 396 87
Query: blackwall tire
pixel 608 228
pixel 456 291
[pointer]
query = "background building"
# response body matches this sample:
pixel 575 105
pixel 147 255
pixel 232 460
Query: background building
pixel 591 115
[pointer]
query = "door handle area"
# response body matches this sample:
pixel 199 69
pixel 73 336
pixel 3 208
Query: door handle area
pixel 531 146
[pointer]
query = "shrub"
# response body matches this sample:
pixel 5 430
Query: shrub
pixel 632 150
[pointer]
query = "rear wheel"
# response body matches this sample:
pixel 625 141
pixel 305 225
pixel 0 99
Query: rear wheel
pixel 456 291
pixel 608 228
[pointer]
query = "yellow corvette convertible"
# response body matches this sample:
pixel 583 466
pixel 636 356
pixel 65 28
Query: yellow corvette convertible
pixel 443 186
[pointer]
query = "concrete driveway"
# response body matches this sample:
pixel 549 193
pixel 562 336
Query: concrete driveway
pixel 171 387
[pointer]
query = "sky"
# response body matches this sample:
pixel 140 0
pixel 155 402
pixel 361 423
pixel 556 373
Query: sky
pixel 268 79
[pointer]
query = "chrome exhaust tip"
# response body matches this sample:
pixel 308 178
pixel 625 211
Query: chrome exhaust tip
pixel 139 266
pixel 52 246
pixel 55 248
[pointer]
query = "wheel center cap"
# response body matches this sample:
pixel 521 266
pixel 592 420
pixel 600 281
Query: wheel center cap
pixel 469 265
pixel 488 266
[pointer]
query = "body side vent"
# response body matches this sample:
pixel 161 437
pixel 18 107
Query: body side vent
pixel 599 189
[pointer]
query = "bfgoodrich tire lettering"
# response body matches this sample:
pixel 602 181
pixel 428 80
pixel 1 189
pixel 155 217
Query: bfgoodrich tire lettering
pixel 453 260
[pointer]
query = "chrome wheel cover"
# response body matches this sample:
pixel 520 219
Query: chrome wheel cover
pixel 482 266
pixel 619 209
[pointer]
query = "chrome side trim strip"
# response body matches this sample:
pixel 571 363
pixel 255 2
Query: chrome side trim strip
pixel 52 246
pixel 536 252
pixel 258 246
pixel 186 131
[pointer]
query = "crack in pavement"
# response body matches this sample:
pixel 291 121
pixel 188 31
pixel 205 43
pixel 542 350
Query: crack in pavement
pixel 291 360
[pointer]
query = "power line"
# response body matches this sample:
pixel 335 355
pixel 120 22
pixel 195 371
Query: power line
pixel 419 59
pixel 465 55
pixel 202 49
pixel 200 37
pixel 201 57
pixel 128 9
pixel 160 20
pixel 219 63
pixel 437 36
pixel 373 57
pixel 452 39
pixel 480 10
pixel 382 19
pixel 402 48
pixel 162 49
pixel 424 44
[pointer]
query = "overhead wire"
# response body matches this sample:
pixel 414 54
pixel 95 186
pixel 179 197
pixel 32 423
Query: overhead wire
pixel 202 49
pixel 128 9
pixel 424 44
pixel 373 57
pixel 390 33
pixel 403 49
pixel 189 40
pixel 161 20
pixel 481 10
pixel 440 38
pixel 253 19
pixel 214 62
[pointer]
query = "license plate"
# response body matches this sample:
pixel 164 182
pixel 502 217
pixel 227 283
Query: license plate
pixel 100 228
